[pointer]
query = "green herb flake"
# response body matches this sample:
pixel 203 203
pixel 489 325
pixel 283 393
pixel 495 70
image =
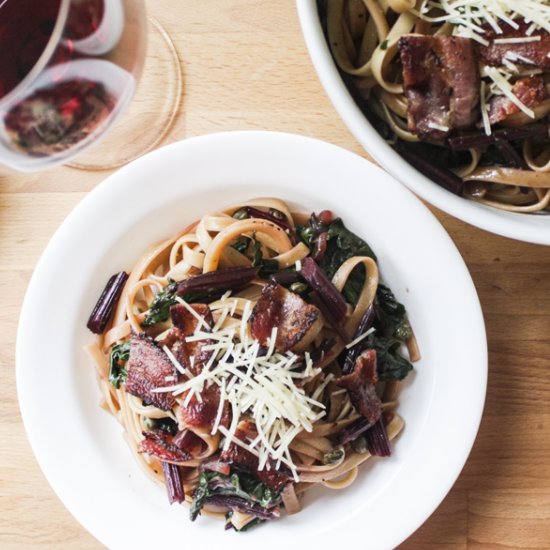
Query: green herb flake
pixel 242 214
pixel 298 287
pixel 306 234
pixel 159 310
pixel 166 424
pixel 277 214
pixel 120 353
pixel 241 245
pixel 392 314
pixel 391 364
pixel 332 456
pixel 202 491
pixel 267 266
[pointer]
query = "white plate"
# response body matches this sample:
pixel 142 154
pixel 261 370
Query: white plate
pixel 534 228
pixel 80 447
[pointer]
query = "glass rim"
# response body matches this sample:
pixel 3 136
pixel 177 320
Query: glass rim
pixel 45 56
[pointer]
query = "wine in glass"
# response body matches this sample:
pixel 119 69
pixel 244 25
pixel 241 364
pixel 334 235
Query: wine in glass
pixel 72 69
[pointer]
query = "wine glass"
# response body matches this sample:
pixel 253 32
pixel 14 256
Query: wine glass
pixel 73 68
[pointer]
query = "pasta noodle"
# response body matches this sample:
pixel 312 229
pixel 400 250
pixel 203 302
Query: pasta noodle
pixel 286 404
pixel 363 36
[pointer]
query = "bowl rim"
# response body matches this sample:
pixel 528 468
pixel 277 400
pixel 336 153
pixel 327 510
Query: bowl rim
pixel 507 224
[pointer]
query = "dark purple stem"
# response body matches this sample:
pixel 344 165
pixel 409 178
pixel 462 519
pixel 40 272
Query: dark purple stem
pixel 329 294
pixel 316 300
pixel 378 440
pixel 480 140
pixel 107 301
pixel 285 277
pixel 225 279
pixel 365 324
pixel 512 157
pixel 241 505
pixel 319 353
pixel 281 222
pixel 353 431
pixel 443 177
pixel 174 485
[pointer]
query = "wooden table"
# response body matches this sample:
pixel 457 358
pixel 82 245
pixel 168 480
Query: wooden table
pixel 246 67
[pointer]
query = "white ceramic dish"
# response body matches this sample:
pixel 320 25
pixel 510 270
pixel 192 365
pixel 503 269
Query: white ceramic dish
pixel 533 228
pixel 80 447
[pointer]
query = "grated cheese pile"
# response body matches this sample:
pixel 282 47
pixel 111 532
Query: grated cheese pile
pixel 469 17
pixel 264 388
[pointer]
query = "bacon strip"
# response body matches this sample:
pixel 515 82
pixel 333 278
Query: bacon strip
pixel 360 385
pixel 197 413
pixel 190 442
pixel 149 368
pixel 244 460
pixel 531 91
pixel 189 355
pixel 442 82
pixel 530 53
pixel 201 413
pixel 296 321
pixel 160 444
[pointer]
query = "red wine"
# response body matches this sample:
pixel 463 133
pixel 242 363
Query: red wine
pixel 25 28
pixel 75 95
pixel 84 18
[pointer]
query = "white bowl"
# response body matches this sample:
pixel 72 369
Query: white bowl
pixel 533 228
pixel 80 447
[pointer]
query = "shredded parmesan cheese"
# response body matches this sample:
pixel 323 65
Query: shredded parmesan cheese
pixel 485 109
pixel 266 388
pixel 359 338
pixel 436 126
pixel 198 317
pixel 500 78
pixel 517 40
pixel 469 17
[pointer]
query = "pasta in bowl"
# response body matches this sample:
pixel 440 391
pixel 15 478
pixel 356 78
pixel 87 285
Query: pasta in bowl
pixel 450 97
pixel 252 356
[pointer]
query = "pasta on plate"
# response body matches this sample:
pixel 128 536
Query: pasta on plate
pixel 460 89
pixel 252 356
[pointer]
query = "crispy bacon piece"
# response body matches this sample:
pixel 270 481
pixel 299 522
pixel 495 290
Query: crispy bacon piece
pixel 242 459
pixel 149 368
pixel 202 413
pixel 529 53
pixel 215 465
pixel 160 444
pixel 360 385
pixel 190 355
pixel 190 442
pixel 297 322
pixel 531 91
pixel 442 81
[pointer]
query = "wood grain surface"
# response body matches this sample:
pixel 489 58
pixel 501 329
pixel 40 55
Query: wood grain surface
pixel 245 66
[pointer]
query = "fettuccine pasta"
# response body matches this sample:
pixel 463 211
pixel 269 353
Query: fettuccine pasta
pixel 252 356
